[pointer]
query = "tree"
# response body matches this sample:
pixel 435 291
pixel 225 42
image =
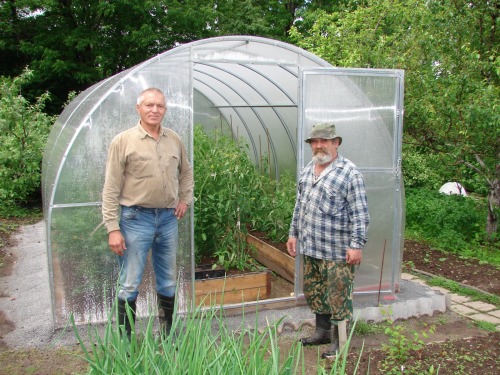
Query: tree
pixel 24 127
pixel 71 44
pixel 449 51
pixel 265 18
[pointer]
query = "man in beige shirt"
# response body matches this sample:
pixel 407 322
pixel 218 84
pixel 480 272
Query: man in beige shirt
pixel 148 188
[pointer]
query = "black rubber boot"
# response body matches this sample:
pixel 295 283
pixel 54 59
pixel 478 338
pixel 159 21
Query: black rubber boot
pixel 334 348
pixel 322 333
pixel 165 313
pixel 123 318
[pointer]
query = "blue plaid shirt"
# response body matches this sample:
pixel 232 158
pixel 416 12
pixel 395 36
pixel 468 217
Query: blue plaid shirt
pixel 331 214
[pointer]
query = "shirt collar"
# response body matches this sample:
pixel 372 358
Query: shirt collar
pixel 143 133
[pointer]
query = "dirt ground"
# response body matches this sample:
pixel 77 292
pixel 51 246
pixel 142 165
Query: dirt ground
pixel 456 346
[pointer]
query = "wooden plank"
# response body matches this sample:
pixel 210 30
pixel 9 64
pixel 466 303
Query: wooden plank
pixel 232 297
pixel 271 257
pixel 342 327
pixel 232 282
pixel 233 288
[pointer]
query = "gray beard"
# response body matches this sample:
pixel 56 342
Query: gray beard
pixel 321 158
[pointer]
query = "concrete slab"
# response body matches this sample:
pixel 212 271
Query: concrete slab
pixel 458 298
pixel 480 306
pixel 495 313
pixel 485 318
pixel 462 309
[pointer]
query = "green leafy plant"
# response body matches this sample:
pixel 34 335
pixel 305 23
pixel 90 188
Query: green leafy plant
pixel 233 195
pixel 202 343
pixel 363 328
pixel 451 223
pixel 223 199
pixel 23 131
pixel 401 345
pixel 274 209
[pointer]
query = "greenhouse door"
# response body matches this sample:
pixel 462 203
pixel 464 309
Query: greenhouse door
pixel 366 105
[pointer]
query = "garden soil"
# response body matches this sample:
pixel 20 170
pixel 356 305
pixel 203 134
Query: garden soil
pixel 28 344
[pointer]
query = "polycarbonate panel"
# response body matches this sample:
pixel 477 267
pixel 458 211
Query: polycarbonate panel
pixel 76 240
pixel 361 119
pixel 246 49
pixel 83 268
pixel 381 252
pixel 366 108
pixel 62 133
pixel 244 77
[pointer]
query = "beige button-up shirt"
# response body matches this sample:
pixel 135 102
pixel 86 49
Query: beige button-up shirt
pixel 144 172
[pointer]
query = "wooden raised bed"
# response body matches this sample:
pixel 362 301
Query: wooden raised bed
pixel 273 258
pixel 233 288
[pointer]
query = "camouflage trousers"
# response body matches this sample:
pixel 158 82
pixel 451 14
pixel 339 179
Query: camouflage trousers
pixel 328 287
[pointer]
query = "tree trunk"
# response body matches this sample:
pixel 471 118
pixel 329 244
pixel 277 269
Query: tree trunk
pixel 493 206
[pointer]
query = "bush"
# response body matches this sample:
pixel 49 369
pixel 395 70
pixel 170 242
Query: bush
pixel 23 131
pixel 451 222
pixel 419 170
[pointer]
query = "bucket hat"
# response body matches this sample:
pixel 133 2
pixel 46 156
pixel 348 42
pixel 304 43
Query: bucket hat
pixel 323 130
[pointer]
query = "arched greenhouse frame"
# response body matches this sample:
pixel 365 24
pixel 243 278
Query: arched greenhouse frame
pixel 264 91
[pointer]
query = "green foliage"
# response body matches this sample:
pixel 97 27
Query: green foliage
pixel 274 208
pixel 423 170
pixel 448 222
pixel 23 131
pixel 487 326
pixel 72 45
pixel 401 345
pixel 265 18
pixel 230 195
pixel 363 328
pixel 449 51
pixel 223 200
pixel 455 287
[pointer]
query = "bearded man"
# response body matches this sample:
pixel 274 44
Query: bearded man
pixel 329 228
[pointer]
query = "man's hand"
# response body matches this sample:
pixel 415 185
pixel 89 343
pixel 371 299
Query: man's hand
pixel 116 242
pixel 180 210
pixel 354 256
pixel 291 246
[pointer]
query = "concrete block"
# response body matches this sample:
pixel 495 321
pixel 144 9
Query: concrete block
pixel 407 276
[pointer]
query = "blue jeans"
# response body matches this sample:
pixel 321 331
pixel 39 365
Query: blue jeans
pixel 144 229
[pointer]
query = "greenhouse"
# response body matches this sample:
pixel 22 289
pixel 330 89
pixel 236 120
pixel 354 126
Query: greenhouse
pixel 267 93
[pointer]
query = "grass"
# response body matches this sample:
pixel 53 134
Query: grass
pixel 457 288
pixel 486 326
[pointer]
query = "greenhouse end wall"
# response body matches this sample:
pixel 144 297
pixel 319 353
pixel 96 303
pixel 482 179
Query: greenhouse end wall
pixel 247 87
